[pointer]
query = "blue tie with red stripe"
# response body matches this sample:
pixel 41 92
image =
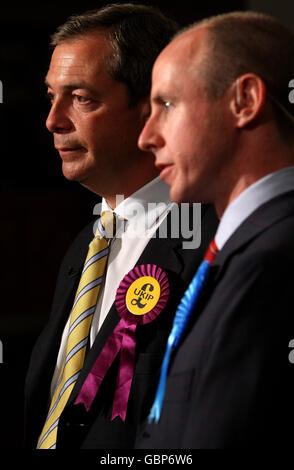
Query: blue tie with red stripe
pixel 182 317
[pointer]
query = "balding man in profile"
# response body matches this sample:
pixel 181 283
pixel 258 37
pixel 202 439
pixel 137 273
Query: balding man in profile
pixel 222 86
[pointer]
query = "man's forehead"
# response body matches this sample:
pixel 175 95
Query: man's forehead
pixel 82 56
pixel 182 54
pixel 184 48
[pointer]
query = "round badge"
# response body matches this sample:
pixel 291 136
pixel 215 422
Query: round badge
pixel 143 293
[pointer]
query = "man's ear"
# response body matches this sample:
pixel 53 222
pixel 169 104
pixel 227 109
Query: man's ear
pixel 248 97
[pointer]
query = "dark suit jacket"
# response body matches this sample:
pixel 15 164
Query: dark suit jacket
pixel 231 384
pixel 77 428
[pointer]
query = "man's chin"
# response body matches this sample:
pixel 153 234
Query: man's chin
pixel 181 196
pixel 176 195
pixel 73 173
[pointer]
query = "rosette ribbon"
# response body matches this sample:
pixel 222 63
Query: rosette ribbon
pixel 123 338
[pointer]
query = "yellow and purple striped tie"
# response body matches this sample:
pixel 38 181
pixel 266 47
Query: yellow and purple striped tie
pixel 79 327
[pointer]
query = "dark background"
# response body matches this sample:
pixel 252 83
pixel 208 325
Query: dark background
pixel 40 211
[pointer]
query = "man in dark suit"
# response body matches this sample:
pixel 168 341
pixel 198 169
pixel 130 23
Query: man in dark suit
pixel 98 84
pixel 224 85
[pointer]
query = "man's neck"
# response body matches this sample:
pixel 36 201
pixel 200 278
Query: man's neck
pixel 114 199
pixel 264 156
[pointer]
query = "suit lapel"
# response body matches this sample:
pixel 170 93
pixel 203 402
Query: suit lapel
pixel 260 220
pixel 67 283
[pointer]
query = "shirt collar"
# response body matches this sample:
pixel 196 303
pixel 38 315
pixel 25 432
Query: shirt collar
pixel 252 198
pixel 145 206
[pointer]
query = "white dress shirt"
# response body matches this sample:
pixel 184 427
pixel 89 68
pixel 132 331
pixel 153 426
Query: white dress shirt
pixel 144 211
pixel 252 198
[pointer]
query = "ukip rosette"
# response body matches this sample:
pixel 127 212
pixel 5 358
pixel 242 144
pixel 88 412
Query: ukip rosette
pixel 144 291
pixel 141 296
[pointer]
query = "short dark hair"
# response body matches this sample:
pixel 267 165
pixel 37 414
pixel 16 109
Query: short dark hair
pixel 136 33
pixel 250 42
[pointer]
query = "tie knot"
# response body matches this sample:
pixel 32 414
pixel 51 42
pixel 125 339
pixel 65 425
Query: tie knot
pixel 106 225
pixel 211 252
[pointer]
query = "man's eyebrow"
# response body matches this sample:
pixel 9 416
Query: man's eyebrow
pixel 161 99
pixel 72 86
pixel 158 99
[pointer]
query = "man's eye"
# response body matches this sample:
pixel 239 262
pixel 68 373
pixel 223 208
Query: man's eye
pixel 82 99
pixel 167 105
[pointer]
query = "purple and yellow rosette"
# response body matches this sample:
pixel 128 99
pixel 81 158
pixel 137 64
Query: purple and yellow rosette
pixel 140 298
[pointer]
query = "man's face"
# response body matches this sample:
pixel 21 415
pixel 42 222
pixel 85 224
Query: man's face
pixel 95 130
pixel 186 131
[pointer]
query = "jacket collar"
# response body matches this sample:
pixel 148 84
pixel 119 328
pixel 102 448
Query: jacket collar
pixel 260 220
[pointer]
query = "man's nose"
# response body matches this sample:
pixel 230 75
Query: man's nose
pixel 58 120
pixel 150 138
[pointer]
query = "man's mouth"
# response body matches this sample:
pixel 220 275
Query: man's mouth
pixel 66 151
pixel 164 168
